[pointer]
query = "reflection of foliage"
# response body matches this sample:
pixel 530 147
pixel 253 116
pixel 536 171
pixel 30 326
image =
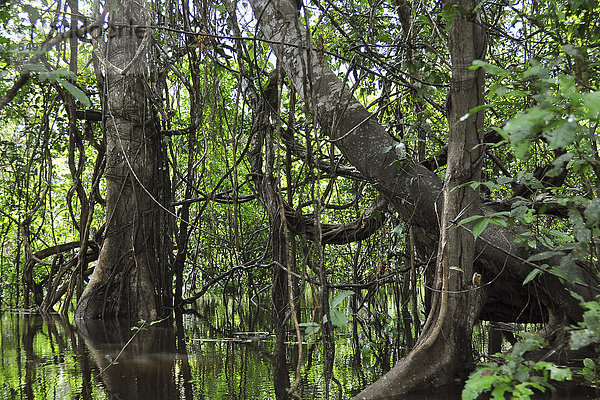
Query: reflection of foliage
pixel 542 101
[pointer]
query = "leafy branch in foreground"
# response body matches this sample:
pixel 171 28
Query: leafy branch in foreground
pixel 513 374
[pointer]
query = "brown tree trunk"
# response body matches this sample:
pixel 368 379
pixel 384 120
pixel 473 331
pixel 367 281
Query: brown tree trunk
pixel 409 187
pixel 443 352
pixel 416 193
pixel 262 161
pixel 132 277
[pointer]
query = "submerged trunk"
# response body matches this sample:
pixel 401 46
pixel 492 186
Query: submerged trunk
pixel 132 277
pixel 410 188
pixel 262 165
pixel 443 352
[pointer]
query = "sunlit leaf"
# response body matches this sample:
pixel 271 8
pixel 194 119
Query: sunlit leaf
pixel 338 318
pixel 341 297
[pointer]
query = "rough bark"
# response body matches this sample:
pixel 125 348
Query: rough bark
pixel 414 191
pixel 132 277
pixel 445 345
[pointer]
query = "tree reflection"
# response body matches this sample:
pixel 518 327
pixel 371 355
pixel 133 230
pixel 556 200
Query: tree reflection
pixel 132 364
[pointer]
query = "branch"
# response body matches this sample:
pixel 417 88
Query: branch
pixel 25 75
pixel 356 230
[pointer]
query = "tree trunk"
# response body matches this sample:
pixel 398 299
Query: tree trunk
pixel 416 193
pixel 444 348
pixel 413 190
pixel 132 277
pixel 262 165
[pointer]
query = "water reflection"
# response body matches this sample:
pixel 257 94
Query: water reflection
pixel 191 358
pixel 194 357
pixel 50 358
pixel 134 364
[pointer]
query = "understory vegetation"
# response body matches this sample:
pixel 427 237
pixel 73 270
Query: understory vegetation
pixel 259 197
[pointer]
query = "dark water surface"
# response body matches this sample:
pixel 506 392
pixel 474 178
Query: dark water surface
pixel 193 358
pixel 53 358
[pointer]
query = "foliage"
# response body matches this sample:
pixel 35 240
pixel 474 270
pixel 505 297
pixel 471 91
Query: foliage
pixel 513 375
pixel 587 333
pixel 207 70
pixel 338 317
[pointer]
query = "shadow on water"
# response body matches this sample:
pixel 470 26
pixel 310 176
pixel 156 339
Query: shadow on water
pixel 193 357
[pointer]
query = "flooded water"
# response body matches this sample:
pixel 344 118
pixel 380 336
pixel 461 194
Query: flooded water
pixel 218 354
pixel 53 358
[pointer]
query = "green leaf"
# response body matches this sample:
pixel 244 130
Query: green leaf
pixel 478 384
pixel 559 164
pixel 34 67
pixel 531 276
pixel 544 255
pixel 592 102
pixel 563 135
pixel 582 234
pixel 449 12
pixel 341 297
pixel 526 126
pixel 311 328
pixel 475 110
pixel 527 218
pixel 592 212
pixel 65 73
pixel 75 91
pixel 567 270
pixel 498 392
pixel 570 49
pixel 338 318
pixel 469 219
pixel 489 68
pixel 504 180
pixel 498 221
pixel 558 373
pixel 480 227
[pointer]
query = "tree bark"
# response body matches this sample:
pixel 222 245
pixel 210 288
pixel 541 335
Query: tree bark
pixel 132 277
pixel 415 192
pixel 444 348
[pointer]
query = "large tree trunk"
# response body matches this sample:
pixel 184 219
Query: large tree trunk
pixel 415 192
pixel 132 277
pixel 443 352
pixel 262 149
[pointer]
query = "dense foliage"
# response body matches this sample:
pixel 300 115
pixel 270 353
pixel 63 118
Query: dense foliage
pixel 209 72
